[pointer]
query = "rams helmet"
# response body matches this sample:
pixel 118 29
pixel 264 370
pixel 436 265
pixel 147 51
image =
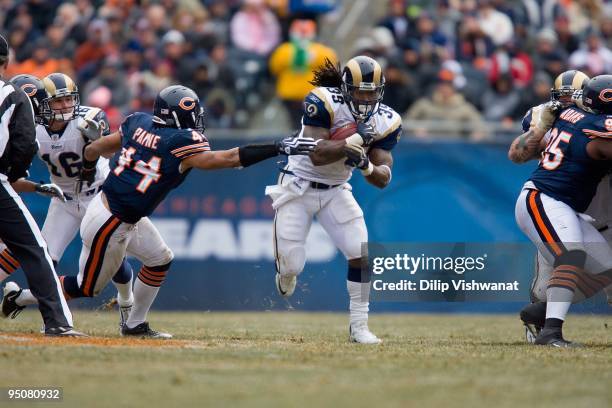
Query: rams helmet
pixel 59 86
pixel 34 88
pixel 363 86
pixel 179 107
pixel 566 84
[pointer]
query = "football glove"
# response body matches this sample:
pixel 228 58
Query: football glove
pixel 548 115
pixel 292 146
pixel 90 128
pixel 364 135
pixel 356 157
pixel 50 190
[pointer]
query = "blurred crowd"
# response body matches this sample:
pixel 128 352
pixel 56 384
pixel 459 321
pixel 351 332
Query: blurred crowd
pixel 122 52
pixel 467 61
pixel 459 62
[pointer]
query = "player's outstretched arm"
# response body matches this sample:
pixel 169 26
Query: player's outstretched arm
pixel 104 146
pixel 248 155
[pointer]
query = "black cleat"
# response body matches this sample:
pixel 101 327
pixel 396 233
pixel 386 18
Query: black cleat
pixel 63 332
pixel 553 337
pixel 144 331
pixel 10 308
pixel 533 316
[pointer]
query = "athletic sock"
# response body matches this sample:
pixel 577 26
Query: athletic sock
pixel 8 264
pixel 358 286
pixel 26 298
pixel 145 290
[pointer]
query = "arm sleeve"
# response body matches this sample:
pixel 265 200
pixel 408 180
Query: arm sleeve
pixel 316 112
pixel 22 145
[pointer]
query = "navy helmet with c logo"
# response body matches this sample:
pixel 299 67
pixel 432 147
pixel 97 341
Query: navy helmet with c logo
pixel 179 107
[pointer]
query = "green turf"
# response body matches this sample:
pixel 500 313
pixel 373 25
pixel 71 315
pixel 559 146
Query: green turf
pixel 295 359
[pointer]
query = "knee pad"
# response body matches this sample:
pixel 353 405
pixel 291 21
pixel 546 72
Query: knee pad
pixel 291 261
pixel 574 257
pixel 124 273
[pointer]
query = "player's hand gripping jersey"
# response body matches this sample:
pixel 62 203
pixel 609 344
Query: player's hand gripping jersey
pixel 62 151
pixel 148 166
pixel 566 172
pixel 325 107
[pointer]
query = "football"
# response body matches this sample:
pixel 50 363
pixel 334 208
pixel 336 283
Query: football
pixel 343 132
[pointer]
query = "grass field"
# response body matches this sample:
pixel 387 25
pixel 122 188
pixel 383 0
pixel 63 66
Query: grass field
pixel 295 359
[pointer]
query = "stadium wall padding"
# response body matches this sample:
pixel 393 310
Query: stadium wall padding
pixel 219 224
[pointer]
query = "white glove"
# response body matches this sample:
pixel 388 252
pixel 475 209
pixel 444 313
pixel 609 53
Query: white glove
pixel 296 145
pixel 548 115
pixel 50 190
pixel 90 129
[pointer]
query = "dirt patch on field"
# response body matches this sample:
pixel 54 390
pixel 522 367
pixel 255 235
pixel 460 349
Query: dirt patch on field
pixel 33 339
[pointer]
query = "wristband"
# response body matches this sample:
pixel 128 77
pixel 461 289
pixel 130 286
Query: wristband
pixel 369 170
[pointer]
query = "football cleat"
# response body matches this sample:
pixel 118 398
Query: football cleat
pixel 144 331
pixel 285 285
pixel 554 338
pixel 63 332
pixel 360 333
pixel 533 316
pixel 10 308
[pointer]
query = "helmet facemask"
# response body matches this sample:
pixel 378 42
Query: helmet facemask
pixel 563 94
pixel 363 100
pixel 50 112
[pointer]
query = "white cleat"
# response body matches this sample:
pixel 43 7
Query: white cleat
pixel 360 333
pixel 285 285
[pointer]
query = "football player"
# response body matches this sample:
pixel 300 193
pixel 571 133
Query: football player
pixel 63 128
pixel 317 184
pixel 550 208
pixel 153 154
pixel 567 90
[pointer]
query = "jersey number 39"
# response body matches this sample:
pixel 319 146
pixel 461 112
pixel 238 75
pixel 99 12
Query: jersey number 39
pixel 150 170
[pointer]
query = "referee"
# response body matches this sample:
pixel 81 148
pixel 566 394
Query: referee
pixel 18 229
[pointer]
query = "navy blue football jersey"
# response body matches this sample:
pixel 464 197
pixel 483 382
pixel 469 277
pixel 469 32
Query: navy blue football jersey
pixel 566 172
pixel 148 165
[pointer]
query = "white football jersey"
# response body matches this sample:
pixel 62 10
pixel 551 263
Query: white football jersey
pixel 325 107
pixel 62 152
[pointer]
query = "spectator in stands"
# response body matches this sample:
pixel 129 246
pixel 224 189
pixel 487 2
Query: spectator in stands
pixel 568 40
pixel 501 101
pixel 111 76
pixel 537 93
pixel 400 88
pixel 593 56
pixel 61 47
pixel 255 28
pixel 40 64
pixel 512 60
pixel 448 108
pixel 397 21
pixel 97 46
pixel 473 45
pixel 68 16
pixel 495 24
pixel 548 55
pixel 101 97
pixel 292 64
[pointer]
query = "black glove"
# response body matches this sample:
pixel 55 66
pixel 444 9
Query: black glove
pixel 356 157
pixel 296 145
pixel 366 132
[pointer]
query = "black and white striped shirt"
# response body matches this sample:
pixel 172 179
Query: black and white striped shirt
pixel 17 132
